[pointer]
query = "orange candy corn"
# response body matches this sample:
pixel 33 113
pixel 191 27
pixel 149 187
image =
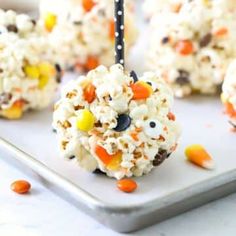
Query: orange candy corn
pixel 199 156
pixel 106 158
pixel 230 109
pixel 141 90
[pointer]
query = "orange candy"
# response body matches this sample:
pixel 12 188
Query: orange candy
pixel 111 30
pixel 88 4
pixel 91 63
pixel 221 32
pixel 141 90
pixel 89 92
pixel 230 109
pixel 127 185
pixel 20 186
pixel 171 116
pixel 199 156
pixel 184 47
pixel 105 157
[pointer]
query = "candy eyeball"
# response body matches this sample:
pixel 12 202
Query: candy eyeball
pixel 153 128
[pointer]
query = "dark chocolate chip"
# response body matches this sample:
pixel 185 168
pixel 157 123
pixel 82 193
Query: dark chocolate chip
pixel 165 40
pixel 5 98
pixel 58 68
pixel 183 77
pixel 160 157
pixel 134 76
pixel 33 22
pixel 59 73
pixel 72 157
pixel 98 172
pixel 152 124
pixel 123 122
pixel 12 28
pixel 77 22
pixel 205 40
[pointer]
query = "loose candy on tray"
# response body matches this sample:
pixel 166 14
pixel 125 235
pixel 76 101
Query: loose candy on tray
pixel 198 155
pixel 228 96
pixel 115 132
pixel 194 47
pixel 27 79
pixel 81 33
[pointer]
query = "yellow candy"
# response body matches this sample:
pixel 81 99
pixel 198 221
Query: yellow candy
pixel 43 81
pixel 85 121
pixel 50 20
pixel 32 72
pixel 46 69
pixel 13 113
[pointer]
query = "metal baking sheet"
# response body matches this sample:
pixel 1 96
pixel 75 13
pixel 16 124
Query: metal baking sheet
pixel 170 189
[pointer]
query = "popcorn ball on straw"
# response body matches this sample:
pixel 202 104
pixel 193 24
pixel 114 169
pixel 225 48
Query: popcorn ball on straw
pixel 229 93
pixel 193 48
pixel 109 121
pixel 27 79
pixel 81 32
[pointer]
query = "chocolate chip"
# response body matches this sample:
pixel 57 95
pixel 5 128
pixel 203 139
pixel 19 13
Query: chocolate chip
pixel 205 40
pixel 12 28
pixel 98 172
pixel 183 77
pixel 5 98
pixel 123 122
pixel 59 73
pixel 72 157
pixel 134 76
pixel 160 157
pixel 165 40
pixel 33 21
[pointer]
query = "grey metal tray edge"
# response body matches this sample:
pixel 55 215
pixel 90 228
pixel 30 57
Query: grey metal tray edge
pixel 134 217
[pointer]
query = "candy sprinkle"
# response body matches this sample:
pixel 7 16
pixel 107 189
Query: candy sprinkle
pixel 20 186
pixel 199 156
pixel 127 185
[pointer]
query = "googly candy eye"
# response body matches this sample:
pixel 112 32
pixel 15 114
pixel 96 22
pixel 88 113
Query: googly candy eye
pixel 153 128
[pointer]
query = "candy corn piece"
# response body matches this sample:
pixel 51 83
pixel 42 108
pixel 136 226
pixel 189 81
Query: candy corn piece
pixel 198 155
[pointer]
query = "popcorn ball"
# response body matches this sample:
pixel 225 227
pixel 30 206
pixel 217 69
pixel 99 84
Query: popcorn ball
pixel 81 32
pixel 116 122
pixel 229 93
pixel 153 7
pixel 193 48
pixel 27 80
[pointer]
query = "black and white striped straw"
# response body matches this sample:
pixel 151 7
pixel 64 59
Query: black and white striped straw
pixel 119 32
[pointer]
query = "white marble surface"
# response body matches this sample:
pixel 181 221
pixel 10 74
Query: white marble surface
pixel 41 213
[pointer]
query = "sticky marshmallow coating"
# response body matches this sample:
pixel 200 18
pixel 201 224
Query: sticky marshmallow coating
pixel 193 48
pixel 83 38
pixel 153 7
pixel 27 80
pixel 129 135
pixel 229 93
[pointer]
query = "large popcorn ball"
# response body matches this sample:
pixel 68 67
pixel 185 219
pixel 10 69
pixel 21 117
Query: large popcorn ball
pixel 153 7
pixel 229 93
pixel 27 80
pixel 116 122
pixel 81 32
pixel 193 48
